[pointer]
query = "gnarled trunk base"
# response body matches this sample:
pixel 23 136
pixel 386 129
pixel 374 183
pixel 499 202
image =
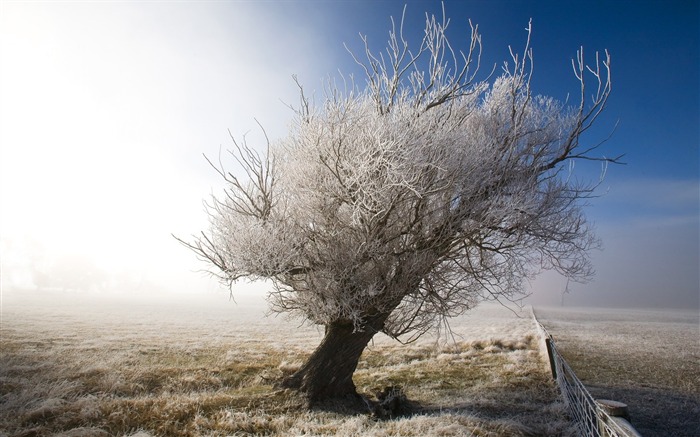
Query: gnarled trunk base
pixel 328 371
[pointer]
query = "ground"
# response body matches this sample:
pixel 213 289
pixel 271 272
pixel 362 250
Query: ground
pixel 169 365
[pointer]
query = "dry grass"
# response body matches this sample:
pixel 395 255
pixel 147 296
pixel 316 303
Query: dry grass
pixel 159 370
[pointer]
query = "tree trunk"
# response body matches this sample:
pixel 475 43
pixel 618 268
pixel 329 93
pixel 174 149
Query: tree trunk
pixel 328 371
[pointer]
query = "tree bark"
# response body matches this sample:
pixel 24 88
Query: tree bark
pixel 328 371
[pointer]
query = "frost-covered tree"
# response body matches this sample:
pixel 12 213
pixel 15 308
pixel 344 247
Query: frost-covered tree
pixel 395 205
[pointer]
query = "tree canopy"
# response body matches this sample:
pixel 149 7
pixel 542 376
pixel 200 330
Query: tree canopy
pixel 396 203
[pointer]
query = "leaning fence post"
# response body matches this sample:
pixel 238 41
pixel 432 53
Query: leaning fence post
pixel 548 343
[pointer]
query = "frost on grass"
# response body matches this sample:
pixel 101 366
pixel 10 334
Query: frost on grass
pixel 89 370
pixel 648 359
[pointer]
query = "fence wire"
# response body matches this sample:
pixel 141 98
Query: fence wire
pixel 590 418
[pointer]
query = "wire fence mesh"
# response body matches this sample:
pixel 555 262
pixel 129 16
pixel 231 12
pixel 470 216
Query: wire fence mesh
pixel 589 416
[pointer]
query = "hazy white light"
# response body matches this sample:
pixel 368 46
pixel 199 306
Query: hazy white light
pixel 107 108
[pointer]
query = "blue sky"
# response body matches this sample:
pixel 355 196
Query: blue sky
pixel 106 109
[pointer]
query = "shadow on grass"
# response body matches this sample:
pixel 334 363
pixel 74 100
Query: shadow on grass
pixel 656 412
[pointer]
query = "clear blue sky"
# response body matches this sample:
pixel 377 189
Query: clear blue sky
pixel 105 110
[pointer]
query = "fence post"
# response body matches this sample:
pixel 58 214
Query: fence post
pixel 614 408
pixel 552 364
pixel 617 416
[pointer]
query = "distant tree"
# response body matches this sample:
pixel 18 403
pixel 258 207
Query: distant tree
pixel 394 206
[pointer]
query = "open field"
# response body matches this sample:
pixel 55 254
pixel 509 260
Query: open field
pixel 648 359
pixel 75 366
